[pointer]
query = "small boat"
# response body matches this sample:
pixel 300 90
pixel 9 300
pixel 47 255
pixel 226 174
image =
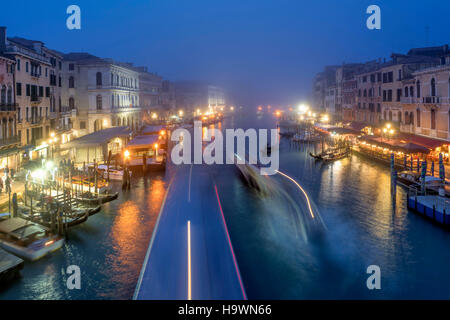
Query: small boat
pixel 91 199
pixel 28 240
pixel 331 154
pixel 114 173
pixel 432 184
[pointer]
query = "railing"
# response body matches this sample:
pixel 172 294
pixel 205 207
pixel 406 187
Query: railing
pixel 408 100
pixel 8 106
pixel 36 99
pixel 432 99
pixel 8 141
pixel 36 120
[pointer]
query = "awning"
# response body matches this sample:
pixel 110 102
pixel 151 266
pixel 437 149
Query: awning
pixel 396 145
pixel 429 143
pixel 146 141
pixel 152 129
pixel 98 138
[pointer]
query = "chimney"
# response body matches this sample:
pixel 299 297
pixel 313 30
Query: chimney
pixel 2 39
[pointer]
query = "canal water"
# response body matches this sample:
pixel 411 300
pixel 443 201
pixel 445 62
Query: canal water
pixel 363 226
pixel 282 252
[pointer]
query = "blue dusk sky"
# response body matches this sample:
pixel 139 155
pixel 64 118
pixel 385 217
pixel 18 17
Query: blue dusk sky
pixel 262 52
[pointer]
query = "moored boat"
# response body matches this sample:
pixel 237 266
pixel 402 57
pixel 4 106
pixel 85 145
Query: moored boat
pixel 28 240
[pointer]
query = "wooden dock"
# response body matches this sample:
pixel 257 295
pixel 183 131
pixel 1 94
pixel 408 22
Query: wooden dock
pixel 10 265
pixel 431 206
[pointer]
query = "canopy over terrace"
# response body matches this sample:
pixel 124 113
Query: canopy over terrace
pixel 398 145
pixel 146 141
pixel 96 146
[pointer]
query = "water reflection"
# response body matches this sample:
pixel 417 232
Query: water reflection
pixel 109 249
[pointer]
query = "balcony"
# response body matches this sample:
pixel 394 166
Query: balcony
pixel 8 106
pixel 408 100
pixel 9 141
pixel 35 99
pixel 431 100
pixel 36 120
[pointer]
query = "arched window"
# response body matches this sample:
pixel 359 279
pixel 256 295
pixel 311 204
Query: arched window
pixel 71 103
pixel 418 117
pixel 9 95
pixel 71 82
pixel 99 102
pixel 98 78
pixel 411 91
pixel 112 79
pixel 433 119
pixel 112 101
pixel 433 87
pixel 390 115
pixel 3 95
pixel 365 93
pixel 407 117
pixel 406 92
pixel 411 117
pixel 384 115
pixel 399 116
pixel 418 88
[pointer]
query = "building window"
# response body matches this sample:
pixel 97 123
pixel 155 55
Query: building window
pixel 18 89
pixel 3 95
pixel 18 64
pixel 411 91
pixel 82 124
pixel 9 95
pixel 406 92
pixel 71 82
pixel 418 117
pixel 399 117
pixel 98 78
pixel 71 103
pixel 418 90
pixel 411 117
pixel 433 119
pixel 26 66
pixel 99 102
pixel 71 67
pixel 433 87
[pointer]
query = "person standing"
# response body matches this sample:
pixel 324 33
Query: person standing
pixel 8 184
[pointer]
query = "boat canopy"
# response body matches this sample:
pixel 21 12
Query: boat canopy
pixel 19 228
pixel 141 142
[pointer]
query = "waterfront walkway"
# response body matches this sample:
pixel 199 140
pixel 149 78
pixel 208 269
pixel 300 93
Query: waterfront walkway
pixel 190 255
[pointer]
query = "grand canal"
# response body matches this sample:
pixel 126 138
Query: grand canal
pixel 281 253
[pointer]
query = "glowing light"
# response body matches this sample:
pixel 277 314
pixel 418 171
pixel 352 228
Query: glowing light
pixel 126 153
pixel 48 243
pixel 231 108
pixel 162 132
pixel 156 146
pixel 304 192
pixel 52 134
pixel 105 122
pixel 154 115
pixel 388 126
pixel 189 261
pixel 180 113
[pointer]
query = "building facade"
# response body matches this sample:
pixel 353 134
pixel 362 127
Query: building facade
pixel 101 92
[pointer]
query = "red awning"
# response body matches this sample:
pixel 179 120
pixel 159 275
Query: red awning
pixel 429 143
